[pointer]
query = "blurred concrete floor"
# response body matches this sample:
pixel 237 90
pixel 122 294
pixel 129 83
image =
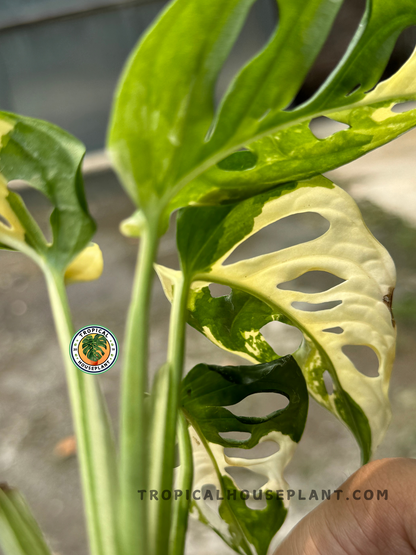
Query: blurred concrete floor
pixel 34 410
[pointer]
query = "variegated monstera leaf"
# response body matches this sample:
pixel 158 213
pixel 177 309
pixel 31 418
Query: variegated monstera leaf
pixel 294 152
pixel 49 160
pixel 207 393
pixel 179 149
pixel 206 238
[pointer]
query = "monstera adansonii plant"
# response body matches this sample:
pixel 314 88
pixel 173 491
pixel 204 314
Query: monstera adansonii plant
pixel 229 170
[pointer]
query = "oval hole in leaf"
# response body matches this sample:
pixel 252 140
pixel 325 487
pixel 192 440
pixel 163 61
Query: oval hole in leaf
pixel 324 127
pixel 363 358
pixel 329 384
pixel 219 290
pixel 260 451
pixel 257 504
pixel 18 184
pixel 259 405
pixel 240 436
pixel 336 330
pixel 404 107
pixel 245 478
pixel 287 232
pixel 312 307
pixel 312 282
pixel 239 161
pixel 354 89
pixel 282 338
pixel 260 24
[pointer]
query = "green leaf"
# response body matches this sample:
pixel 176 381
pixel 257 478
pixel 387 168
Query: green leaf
pixel 295 153
pixel 164 105
pixel 208 235
pixel 257 101
pixel 49 160
pixel 207 390
pixel 172 149
pixel 19 532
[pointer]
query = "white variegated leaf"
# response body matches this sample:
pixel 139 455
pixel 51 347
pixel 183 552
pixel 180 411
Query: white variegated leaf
pixel 348 250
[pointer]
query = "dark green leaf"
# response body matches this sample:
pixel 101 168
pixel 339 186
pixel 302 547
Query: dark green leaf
pixel 49 160
pixel 207 390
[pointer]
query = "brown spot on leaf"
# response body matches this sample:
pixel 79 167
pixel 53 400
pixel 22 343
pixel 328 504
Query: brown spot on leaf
pixel 388 301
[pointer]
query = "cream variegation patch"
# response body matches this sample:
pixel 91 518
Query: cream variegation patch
pixel 349 251
pixel 206 472
pixel 5 127
pixel 401 84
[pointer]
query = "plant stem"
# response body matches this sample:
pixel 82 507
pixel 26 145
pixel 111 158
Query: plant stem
pixel 95 442
pixel 182 505
pixel 133 441
pixel 165 420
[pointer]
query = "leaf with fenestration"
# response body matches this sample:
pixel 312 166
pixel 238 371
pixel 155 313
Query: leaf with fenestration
pixel 49 160
pixel 171 148
pixel 207 395
pixel 208 235
pixel 296 153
